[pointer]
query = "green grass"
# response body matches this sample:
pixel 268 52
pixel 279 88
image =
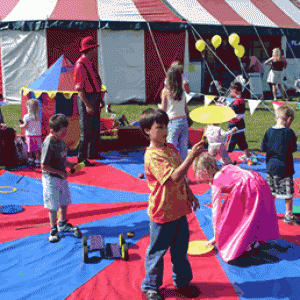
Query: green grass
pixel 256 125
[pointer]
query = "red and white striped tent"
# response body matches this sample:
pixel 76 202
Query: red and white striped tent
pixel 136 38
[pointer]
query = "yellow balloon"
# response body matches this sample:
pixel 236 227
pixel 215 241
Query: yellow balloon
pixel 239 51
pixel 216 41
pixel 234 40
pixel 200 45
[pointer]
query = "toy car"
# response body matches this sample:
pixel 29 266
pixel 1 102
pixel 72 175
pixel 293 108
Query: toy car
pixel 109 250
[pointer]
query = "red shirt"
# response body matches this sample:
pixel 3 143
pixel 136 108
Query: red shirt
pixel 85 76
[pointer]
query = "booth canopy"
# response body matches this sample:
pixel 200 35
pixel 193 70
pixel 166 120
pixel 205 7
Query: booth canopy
pixel 57 79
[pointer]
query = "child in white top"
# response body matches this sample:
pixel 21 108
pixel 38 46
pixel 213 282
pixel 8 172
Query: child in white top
pixel 33 132
pixel 174 104
pixel 216 145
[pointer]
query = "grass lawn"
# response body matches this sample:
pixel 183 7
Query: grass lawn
pixel 256 125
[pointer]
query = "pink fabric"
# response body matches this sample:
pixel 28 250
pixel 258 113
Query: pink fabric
pixel 248 213
pixel 34 143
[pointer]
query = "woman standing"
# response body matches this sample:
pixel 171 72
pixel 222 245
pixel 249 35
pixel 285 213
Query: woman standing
pixel 278 64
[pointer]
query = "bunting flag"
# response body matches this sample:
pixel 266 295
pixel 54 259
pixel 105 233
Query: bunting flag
pixel 276 104
pixel 229 101
pixel 253 104
pixel 208 99
pixel 298 104
pixel 189 96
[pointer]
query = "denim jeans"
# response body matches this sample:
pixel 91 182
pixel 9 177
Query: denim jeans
pixel 173 235
pixel 178 135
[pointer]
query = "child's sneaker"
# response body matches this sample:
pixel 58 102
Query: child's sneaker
pixel 188 291
pixel 30 161
pixel 291 219
pixel 245 157
pixel 67 227
pixel 153 295
pixel 54 236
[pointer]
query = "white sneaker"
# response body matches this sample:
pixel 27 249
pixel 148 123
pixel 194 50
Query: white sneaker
pixel 30 161
pixel 54 236
pixel 244 157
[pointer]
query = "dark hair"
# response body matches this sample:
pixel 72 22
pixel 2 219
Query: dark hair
pixel 237 86
pixel 174 83
pixel 58 121
pixel 151 115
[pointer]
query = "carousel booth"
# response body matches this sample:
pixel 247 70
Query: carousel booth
pixel 56 94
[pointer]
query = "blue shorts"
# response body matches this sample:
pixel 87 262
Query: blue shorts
pixel 56 192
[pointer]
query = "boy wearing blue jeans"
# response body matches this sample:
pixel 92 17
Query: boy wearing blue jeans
pixel 56 193
pixel 170 200
pixel 279 143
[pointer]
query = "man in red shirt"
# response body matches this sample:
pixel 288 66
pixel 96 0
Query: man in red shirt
pixel 88 84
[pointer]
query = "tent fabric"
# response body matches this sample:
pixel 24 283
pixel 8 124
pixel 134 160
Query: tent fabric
pixel 33 268
pixel 23 59
pixel 122 65
pixel 171 47
pixel 227 12
pixel 58 78
pixel 53 32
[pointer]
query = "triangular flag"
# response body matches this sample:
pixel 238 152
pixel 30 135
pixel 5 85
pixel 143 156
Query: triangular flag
pixel 189 96
pixel 229 101
pixel 276 104
pixel 208 99
pixel 253 104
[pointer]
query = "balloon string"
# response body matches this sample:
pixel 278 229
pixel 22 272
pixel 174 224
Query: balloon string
pixel 243 70
pixel 212 51
pixel 208 68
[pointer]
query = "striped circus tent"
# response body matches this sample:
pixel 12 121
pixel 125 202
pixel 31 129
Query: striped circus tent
pixel 139 39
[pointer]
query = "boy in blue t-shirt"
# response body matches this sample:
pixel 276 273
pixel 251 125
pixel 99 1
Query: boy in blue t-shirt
pixel 279 143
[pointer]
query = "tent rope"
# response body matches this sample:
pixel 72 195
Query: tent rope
pixel 212 51
pixel 243 69
pixel 156 48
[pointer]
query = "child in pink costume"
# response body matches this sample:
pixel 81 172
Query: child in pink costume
pixel 248 213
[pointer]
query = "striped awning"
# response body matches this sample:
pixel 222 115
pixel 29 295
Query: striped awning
pixel 134 14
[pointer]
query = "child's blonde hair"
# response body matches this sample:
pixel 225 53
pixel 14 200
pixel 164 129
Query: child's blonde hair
pixel 204 162
pixel 284 112
pixel 33 109
pixel 277 52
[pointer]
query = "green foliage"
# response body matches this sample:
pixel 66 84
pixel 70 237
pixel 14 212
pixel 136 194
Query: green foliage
pixel 256 125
